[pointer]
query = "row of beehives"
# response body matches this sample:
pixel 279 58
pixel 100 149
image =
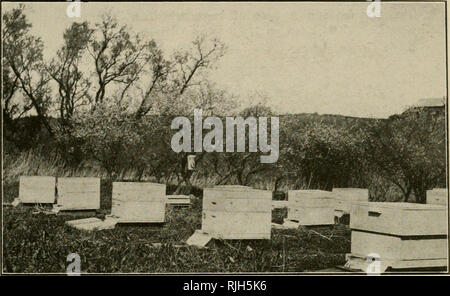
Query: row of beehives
pixel 131 202
pixel 383 234
pixel 318 207
pixel 401 234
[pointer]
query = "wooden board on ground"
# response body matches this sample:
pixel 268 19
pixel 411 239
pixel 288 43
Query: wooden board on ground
pixel 199 239
pixel 142 202
pixel 37 189
pixel 290 224
pixel 78 193
pixel 91 224
pixel 178 200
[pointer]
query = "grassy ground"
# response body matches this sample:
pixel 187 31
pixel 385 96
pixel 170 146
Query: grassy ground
pixel 41 243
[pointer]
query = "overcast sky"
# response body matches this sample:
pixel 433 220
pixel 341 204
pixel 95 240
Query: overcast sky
pixel 306 57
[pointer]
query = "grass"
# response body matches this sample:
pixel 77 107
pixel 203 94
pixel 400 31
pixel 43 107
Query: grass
pixel 38 243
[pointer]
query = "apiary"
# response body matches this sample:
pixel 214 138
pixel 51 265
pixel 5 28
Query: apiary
pixel 403 235
pixel 437 196
pixel 37 189
pixel 237 212
pixel 142 202
pixel 345 197
pixel 311 207
pixel 78 193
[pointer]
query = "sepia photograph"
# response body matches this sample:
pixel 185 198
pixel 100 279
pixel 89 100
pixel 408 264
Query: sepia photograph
pixel 224 138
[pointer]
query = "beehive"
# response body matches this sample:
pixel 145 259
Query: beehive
pixel 237 212
pixel 402 234
pixel 139 202
pixel 437 196
pixel 345 197
pixel 78 193
pixel 311 207
pixel 37 189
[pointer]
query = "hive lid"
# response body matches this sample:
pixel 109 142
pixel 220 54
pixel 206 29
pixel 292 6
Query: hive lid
pixel 319 194
pixel 360 194
pixel 138 184
pixel 438 190
pixel 235 192
pixel 407 206
pixel 232 186
pixel 139 191
pixel 141 198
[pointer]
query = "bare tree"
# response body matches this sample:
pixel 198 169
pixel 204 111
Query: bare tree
pixel 23 68
pixel 73 86
pixel 172 78
pixel 119 57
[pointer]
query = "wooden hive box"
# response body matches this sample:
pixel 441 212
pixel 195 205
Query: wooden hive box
pixel 79 193
pixel 37 189
pixel 437 196
pixel 345 197
pixel 311 207
pixel 402 234
pixel 142 202
pixel 399 218
pixel 237 212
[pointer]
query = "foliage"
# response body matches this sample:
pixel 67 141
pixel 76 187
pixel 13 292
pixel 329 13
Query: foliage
pixel 409 151
pixel 322 155
pixel 25 82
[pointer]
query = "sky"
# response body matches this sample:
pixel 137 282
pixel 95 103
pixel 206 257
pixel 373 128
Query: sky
pixel 329 58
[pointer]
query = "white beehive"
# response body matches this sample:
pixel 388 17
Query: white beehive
pixel 139 202
pixel 399 218
pixel 78 193
pixel 345 197
pixel 401 234
pixel 437 196
pixel 37 189
pixel 397 248
pixel 237 212
pixel 311 207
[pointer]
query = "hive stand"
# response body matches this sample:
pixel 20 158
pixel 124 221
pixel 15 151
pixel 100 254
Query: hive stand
pixel 91 224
